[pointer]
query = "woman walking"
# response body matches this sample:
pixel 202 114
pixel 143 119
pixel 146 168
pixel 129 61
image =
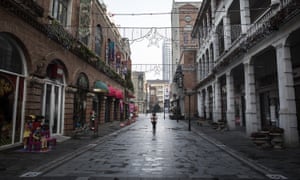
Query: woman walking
pixel 153 120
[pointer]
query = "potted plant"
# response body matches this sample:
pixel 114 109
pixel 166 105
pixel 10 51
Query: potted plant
pixel 261 139
pixel 276 134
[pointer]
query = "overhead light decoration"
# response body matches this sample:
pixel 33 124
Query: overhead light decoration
pixel 152 34
pixel 154 37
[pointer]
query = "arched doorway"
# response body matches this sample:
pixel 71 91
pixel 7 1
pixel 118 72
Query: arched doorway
pixel 239 95
pixel 80 101
pixel 265 69
pixel 12 83
pixel 53 97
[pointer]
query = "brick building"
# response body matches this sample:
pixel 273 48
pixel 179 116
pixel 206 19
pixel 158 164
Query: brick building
pixel 138 79
pixel 184 58
pixel 62 60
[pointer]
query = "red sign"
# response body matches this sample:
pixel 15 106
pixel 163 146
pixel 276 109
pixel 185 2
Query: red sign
pixel 56 71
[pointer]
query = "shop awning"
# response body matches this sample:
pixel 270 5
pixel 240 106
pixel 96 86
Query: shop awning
pixel 119 94
pixel 111 91
pixel 100 87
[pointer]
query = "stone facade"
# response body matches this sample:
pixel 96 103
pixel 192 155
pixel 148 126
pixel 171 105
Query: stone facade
pixel 248 73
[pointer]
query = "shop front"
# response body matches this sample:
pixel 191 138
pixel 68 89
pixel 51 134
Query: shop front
pixel 99 101
pixel 12 83
pixel 80 101
pixel 53 97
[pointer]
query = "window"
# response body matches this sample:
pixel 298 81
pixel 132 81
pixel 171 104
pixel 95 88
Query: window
pixel 11 90
pixel 10 58
pixel 82 81
pixel 186 38
pixel 98 40
pixel 60 11
pixel 188 27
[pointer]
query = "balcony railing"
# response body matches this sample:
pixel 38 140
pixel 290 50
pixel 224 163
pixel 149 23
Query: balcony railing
pixel 285 3
pixel 235 32
pixel 261 25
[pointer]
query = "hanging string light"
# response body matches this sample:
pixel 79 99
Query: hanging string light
pixel 154 37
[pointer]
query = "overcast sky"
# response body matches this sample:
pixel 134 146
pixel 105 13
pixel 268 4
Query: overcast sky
pixel 145 50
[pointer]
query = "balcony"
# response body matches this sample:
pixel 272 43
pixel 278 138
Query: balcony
pixel 261 27
pixel 270 21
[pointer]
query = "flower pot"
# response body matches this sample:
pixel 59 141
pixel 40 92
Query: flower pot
pixel 276 140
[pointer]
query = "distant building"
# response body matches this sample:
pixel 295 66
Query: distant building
pixel 184 49
pixel 139 81
pixel 157 94
pixel 166 60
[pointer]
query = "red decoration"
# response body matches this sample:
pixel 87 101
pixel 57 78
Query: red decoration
pixel 56 71
pixel 119 94
pixel 111 91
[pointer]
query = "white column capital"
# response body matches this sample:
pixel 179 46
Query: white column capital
pixel 228 73
pixel 246 63
pixel 281 43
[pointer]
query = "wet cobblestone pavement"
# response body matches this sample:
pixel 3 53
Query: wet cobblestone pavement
pixel 172 152
pixel 169 152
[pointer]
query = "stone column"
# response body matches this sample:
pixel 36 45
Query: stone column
pixel 200 69
pixel 216 45
pixel 227 32
pixel 241 111
pixel 207 104
pixel 230 102
pixel 217 98
pixel 198 72
pixel 213 11
pixel 206 64
pixel 214 102
pixel 203 67
pixel 273 112
pixel 102 102
pixel 211 60
pixel 287 112
pixel 204 29
pixel 208 22
pixel 245 15
pixel 200 104
pixel 250 98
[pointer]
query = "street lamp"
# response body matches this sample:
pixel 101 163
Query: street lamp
pixel 164 109
pixel 180 85
pixel 189 93
pixel 179 75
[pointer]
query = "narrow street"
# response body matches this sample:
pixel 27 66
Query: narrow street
pixel 139 152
